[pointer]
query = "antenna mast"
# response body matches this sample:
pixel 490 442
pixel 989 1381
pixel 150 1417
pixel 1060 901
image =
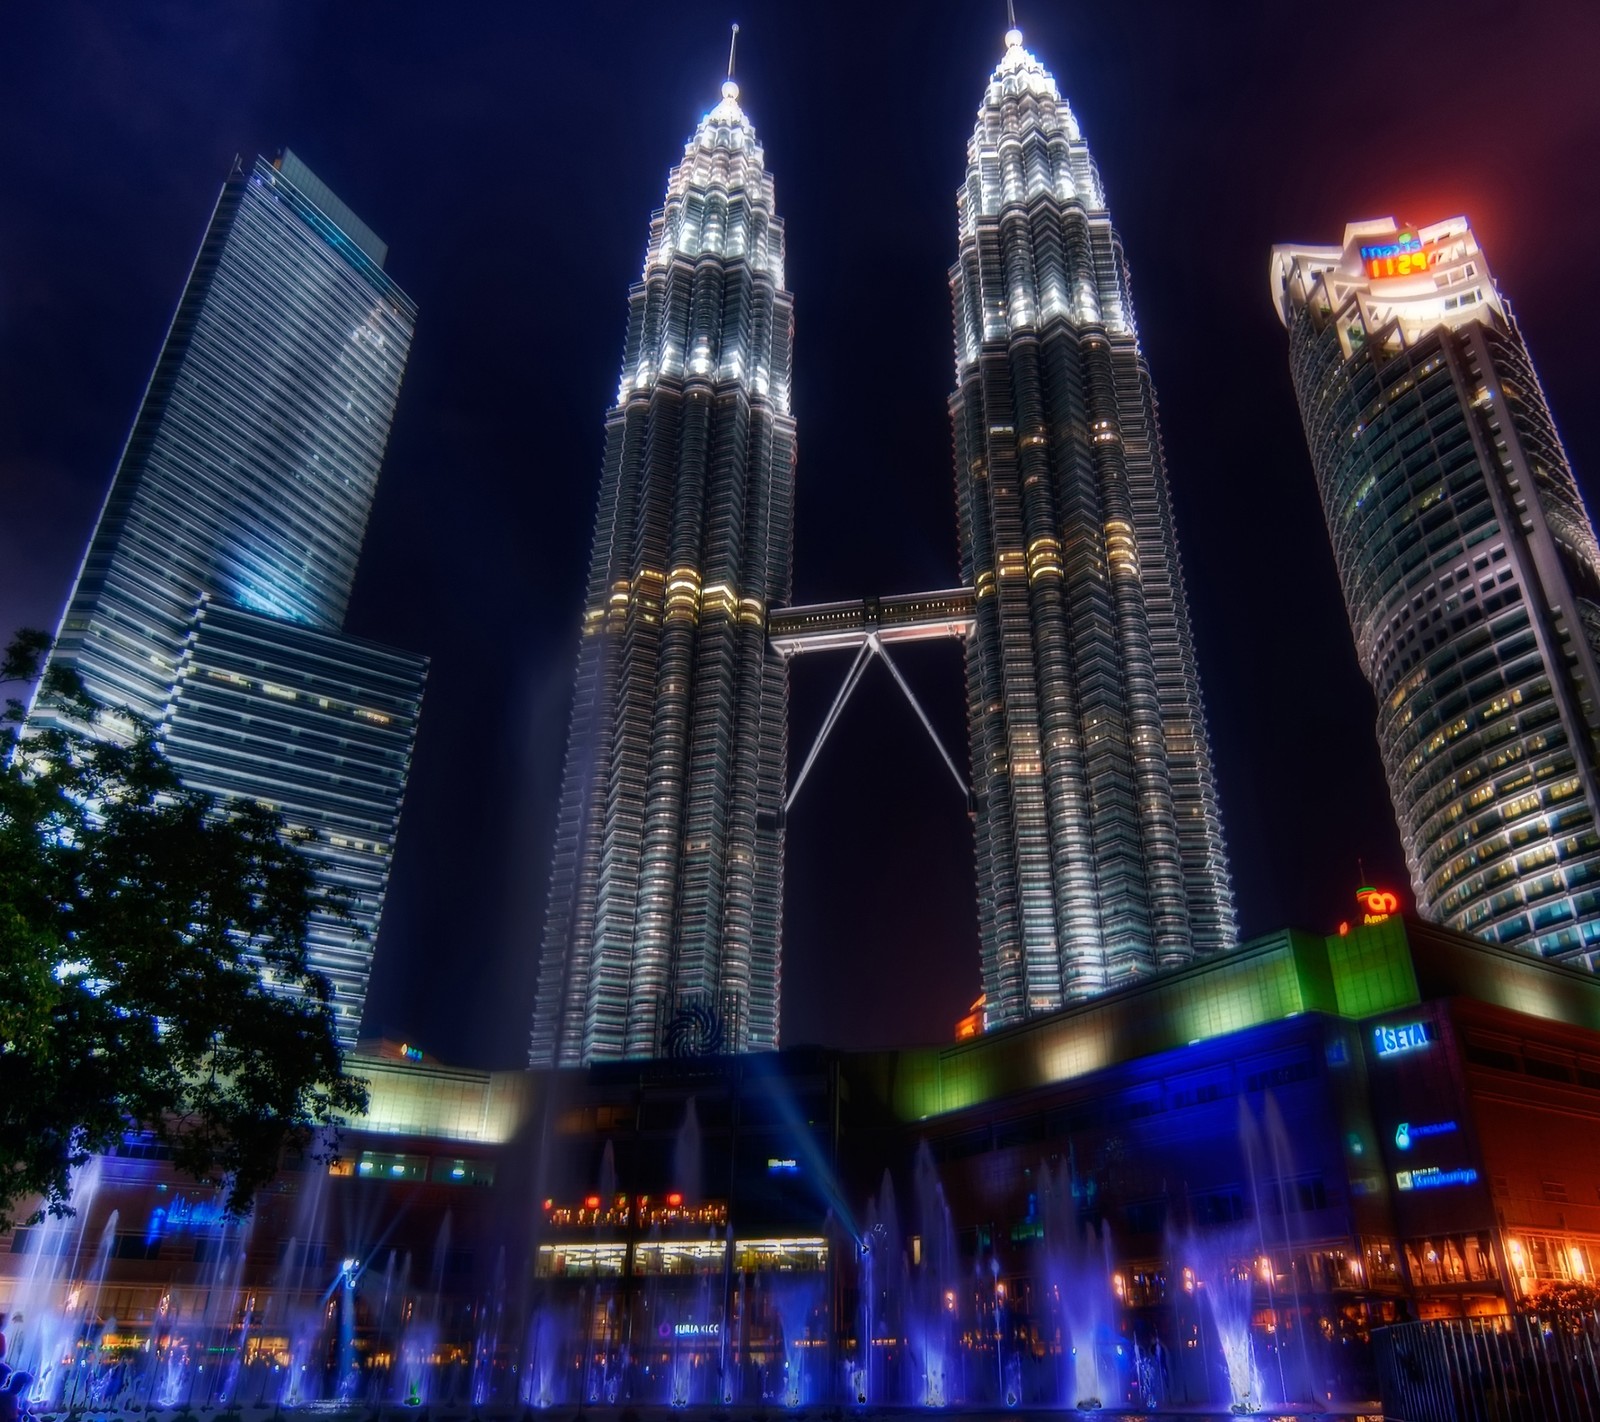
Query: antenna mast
pixel 734 40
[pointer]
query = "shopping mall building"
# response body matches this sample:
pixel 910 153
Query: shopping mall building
pixel 1301 1140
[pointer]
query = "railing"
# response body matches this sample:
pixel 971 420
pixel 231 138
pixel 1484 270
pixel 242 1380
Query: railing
pixel 1490 1370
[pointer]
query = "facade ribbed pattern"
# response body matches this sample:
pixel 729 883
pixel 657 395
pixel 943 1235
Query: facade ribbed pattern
pixel 318 726
pixel 211 597
pixel 252 464
pixel 1471 576
pixel 664 921
pixel 1099 840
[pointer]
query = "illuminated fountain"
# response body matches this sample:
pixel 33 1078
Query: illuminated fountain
pixel 1220 1270
pixel 54 1308
pixel 1081 1297
pixel 1270 1163
pixel 652 1301
pixel 880 1267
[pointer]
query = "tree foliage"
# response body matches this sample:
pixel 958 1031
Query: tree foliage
pixel 153 969
pixel 1570 1304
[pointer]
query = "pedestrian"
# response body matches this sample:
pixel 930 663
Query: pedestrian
pixel 14 1397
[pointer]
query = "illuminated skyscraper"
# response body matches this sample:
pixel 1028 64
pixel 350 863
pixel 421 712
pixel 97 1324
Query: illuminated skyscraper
pixel 665 904
pixel 211 598
pixel 1099 839
pixel 1471 574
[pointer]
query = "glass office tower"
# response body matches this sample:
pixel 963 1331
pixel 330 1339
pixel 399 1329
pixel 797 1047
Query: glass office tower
pixel 228 543
pixel 1099 838
pixel 665 909
pixel 1471 574
pixel 320 726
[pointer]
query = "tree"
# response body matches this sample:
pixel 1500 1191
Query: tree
pixel 153 969
pixel 1568 1304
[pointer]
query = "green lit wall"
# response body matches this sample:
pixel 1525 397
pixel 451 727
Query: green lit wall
pixel 1370 971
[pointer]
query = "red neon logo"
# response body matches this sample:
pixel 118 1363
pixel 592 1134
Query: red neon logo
pixel 1378 901
pixel 1376 905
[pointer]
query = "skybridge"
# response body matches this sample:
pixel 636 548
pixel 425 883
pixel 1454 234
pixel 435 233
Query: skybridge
pixel 844 626
pixel 868 626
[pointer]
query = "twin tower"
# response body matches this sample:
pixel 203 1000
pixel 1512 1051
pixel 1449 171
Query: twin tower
pixel 1098 839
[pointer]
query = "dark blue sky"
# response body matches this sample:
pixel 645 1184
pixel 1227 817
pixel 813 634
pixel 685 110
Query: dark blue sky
pixel 511 155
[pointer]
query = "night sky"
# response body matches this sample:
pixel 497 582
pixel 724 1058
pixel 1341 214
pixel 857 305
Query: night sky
pixel 511 156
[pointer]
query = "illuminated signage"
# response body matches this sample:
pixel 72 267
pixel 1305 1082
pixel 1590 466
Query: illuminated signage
pixel 1405 256
pixel 785 1166
pixel 1402 1037
pixel 1405 1133
pixel 697 1330
pixel 1376 906
pixel 1432 1178
pixel 183 1215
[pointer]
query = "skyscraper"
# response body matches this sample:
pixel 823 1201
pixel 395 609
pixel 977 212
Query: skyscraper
pixel 211 598
pixel 1471 574
pixel 665 906
pixel 1099 839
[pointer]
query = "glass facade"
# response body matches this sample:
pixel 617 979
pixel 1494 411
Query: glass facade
pixel 1099 838
pixel 1471 574
pixel 252 463
pixel 319 726
pixel 211 597
pixel 664 923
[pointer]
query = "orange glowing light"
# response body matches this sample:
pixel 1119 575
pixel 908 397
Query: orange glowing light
pixel 674 1200
pixel 1377 904
pixel 972 1023
pixel 1404 256
pixel 549 1204
pixel 591 1202
pixel 1399 265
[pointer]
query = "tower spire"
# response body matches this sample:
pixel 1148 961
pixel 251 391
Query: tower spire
pixel 730 90
pixel 1013 34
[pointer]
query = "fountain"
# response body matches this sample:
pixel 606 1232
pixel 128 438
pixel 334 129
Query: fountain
pixel 55 1306
pixel 650 1301
pixel 1220 1269
pixel 1079 1269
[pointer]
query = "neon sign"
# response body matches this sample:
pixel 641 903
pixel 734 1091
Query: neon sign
pixel 785 1166
pixel 697 1330
pixel 1405 1133
pixel 1432 1178
pixel 1377 905
pixel 1404 1037
pixel 1405 256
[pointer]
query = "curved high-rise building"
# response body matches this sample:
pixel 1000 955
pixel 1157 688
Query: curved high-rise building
pixel 664 921
pixel 1471 574
pixel 1099 839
